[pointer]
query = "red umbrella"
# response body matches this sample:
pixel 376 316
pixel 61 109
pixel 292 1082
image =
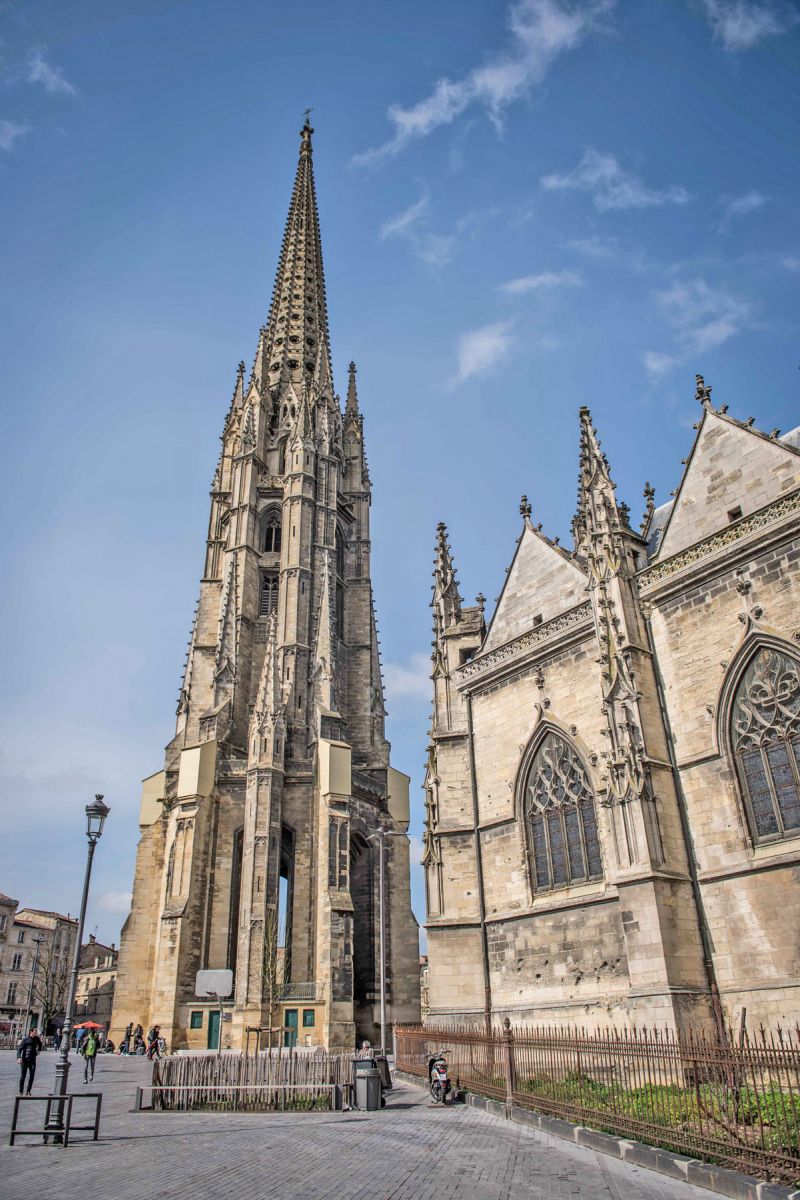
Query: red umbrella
pixel 89 1025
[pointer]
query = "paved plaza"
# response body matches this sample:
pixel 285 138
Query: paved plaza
pixel 409 1151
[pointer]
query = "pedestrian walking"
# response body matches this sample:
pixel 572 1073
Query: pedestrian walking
pixel 126 1041
pixel 57 1039
pixel 89 1048
pixel 27 1052
pixel 152 1042
pixel 79 1035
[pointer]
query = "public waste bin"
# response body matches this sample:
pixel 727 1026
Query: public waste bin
pixel 382 1063
pixel 368 1089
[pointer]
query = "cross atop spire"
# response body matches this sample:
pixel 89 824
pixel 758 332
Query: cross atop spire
pixel 297 327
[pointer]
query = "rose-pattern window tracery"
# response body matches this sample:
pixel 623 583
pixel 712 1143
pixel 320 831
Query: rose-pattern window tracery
pixel 765 733
pixel 560 816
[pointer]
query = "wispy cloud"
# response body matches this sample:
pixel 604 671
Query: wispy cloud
pixel 541 30
pixel 703 318
pixel 611 250
pixel 481 349
pixel 791 262
pixel 742 24
pixel 403 221
pixel 10 132
pixel 658 364
pixel 611 186
pixel 740 206
pixel 51 78
pixel 432 247
pixel 534 283
pixel 411 679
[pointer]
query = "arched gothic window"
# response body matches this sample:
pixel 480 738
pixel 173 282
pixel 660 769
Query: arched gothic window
pixel 272 533
pixel 765 737
pixel 560 817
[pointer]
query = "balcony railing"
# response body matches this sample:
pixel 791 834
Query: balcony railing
pixel 300 991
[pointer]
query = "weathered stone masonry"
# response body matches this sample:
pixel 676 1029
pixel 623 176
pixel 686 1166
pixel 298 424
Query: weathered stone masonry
pixel 613 778
pixel 279 769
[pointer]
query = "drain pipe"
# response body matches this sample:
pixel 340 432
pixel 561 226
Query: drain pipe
pixel 487 986
pixel 683 811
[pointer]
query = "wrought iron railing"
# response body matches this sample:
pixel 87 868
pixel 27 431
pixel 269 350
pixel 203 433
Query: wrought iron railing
pixel 300 991
pixel 735 1102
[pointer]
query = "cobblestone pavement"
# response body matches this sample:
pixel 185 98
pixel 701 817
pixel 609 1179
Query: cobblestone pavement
pixel 411 1150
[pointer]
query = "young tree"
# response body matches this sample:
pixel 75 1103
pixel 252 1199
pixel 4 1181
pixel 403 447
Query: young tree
pixel 274 969
pixel 50 984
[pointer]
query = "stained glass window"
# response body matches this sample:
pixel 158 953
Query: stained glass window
pixel 559 810
pixel 765 733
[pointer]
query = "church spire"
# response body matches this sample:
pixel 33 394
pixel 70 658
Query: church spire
pixel 297 327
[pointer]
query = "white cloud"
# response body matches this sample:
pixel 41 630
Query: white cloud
pixel 611 185
pixel 595 247
pixel 547 279
pixel 740 206
pixel 791 262
pixel 658 364
pixel 404 220
pixel 703 318
pixel 482 348
pixel 541 30
pixel 115 902
pixel 742 24
pixel 51 78
pixel 411 679
pixel 9 132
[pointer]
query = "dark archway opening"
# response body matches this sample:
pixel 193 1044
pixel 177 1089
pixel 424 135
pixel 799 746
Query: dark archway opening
pixel 365 937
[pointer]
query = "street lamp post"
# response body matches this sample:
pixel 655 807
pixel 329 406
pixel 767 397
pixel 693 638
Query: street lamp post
pixel 381 835
pixel 95 817
pixel 26 1027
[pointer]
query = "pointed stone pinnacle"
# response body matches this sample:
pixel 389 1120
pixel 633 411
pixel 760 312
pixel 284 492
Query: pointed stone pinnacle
pixel 525 508
pixel 352 393
pixel 702 393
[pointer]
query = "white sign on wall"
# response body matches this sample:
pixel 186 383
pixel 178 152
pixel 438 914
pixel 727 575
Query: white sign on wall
pixel 213 983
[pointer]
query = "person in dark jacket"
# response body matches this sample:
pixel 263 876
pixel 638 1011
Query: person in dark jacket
pixel 27 1051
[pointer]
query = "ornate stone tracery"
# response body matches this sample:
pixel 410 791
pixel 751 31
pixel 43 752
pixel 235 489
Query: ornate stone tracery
pixel 560 817
pixel 765 738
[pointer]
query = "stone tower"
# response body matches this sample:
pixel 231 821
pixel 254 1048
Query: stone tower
pixel 255 851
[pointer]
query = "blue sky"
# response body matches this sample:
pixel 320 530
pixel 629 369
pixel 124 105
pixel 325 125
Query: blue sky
pixel 525 208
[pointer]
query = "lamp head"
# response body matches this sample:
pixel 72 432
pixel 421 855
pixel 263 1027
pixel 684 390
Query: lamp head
pixel 95 817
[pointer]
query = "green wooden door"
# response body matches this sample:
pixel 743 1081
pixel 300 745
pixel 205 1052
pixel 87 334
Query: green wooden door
pixel 290 1027
pixel 213 1028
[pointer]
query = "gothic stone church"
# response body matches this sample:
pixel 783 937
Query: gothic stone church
pixel 258 828
pixel 613 782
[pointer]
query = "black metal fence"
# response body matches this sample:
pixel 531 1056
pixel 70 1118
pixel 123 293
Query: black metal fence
pixel 732 1102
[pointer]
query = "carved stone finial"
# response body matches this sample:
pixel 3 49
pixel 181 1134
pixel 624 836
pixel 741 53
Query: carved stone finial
pixel 625 513
pixel 480 600
pixel 650 506
pixel 525 508
pixel 702 393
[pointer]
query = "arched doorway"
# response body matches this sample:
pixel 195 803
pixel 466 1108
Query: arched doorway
pixel 365 937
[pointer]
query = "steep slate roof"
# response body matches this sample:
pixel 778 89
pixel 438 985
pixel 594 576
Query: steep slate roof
pixel 542 581
pixel 732 465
